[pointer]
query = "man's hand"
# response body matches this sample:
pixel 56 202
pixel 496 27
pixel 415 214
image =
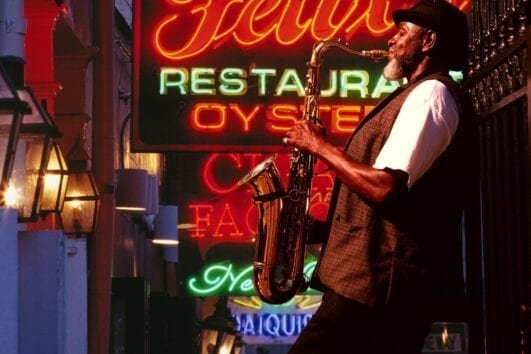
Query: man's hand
pixel 306 136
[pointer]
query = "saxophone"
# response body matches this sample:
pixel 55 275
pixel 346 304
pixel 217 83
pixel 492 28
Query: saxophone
pixel 283 220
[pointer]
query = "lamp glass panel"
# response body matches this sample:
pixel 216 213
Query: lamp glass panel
pixel 8 118
pixel 54 189
pixel 55 181
pixel 37 115
pixel 226 344
pixel 78 216
pixel 25 176
pixel 4 141
pixel 81 185
pixel 81 203
pixel 209 337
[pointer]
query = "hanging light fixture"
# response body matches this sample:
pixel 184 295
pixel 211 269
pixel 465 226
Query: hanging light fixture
pixel 12 109
pixel 33 148
pixel 81 203
pixel 55 182
pixel 165 226
pixel 218 331
pixel 131 192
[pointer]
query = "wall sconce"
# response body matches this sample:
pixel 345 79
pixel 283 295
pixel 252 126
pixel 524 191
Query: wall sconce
pixel 131 192
pixel 12 109
pixel 81 203
pixel 165 226
pixel 33 148
pixel 55 182
pixel 218 331
pixel 153 195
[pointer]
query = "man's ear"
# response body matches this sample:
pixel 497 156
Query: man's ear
pixel 430 38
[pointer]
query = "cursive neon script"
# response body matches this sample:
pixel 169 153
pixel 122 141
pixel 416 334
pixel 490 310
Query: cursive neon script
pixel 223 278
pixel 251 22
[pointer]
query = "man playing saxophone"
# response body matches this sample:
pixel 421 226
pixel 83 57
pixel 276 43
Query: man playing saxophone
pixel 391 251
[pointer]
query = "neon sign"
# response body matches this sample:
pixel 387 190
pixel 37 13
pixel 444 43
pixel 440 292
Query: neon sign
pixel 225 278
pixel 272 324
pixel 261 323
pixel 231 214
pixel 228 75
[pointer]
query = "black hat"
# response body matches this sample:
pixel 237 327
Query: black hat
pixel 450 24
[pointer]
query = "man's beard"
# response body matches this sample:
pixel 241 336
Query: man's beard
pixel 399 68
pixel 393 70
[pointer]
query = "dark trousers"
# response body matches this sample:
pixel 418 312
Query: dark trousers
pixel 344 326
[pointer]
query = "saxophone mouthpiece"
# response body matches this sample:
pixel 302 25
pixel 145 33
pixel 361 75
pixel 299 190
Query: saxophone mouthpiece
pixel 375 54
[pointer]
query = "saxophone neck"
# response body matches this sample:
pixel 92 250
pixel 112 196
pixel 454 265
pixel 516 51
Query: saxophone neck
pixel 322 46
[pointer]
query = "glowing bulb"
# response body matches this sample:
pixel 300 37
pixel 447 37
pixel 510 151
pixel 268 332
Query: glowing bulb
pixel 11 197
pixel 76 214
pixel 444 335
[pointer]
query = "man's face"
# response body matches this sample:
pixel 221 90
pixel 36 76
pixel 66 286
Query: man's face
pixel 405 51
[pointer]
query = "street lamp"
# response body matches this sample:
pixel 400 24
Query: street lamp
pixel 218 331
pixel 55 182
pixel 82 199
pixel 33 148
pixel 11 111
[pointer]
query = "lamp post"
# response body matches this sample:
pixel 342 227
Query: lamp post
pixel 82 199
pixel 218 331
pixel 12 109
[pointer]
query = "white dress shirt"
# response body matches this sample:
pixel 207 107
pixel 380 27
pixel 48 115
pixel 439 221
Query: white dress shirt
pixel 423 129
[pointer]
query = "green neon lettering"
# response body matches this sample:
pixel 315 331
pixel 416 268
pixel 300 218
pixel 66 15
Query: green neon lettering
pixel 211 280
pixel 173 77
pixel 246 284
pixel 332 85
pixel 232 83
pixel 202 81
pixel 222 278
pixel 384 86
pixel 289 82
pixel 354 80
pixel 262 75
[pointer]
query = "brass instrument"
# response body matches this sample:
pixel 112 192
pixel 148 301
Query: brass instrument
pixel 283 214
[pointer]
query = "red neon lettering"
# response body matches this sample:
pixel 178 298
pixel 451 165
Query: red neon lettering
pixel 201 218
pixel 253 159
pixel 227 220
pixel 208 25
pixel 345 118
pixel 215 121
pixel 254 21
pixel 322 24
pixel 208 172
pixel 251 220
pixel 244 117
pixel 289 29
pixel 253 14
pixel 380 20
pixel 281 113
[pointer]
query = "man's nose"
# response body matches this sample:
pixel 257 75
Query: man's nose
pixel 391 41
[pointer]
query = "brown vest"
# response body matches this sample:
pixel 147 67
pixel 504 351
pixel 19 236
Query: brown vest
pixel 387 256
